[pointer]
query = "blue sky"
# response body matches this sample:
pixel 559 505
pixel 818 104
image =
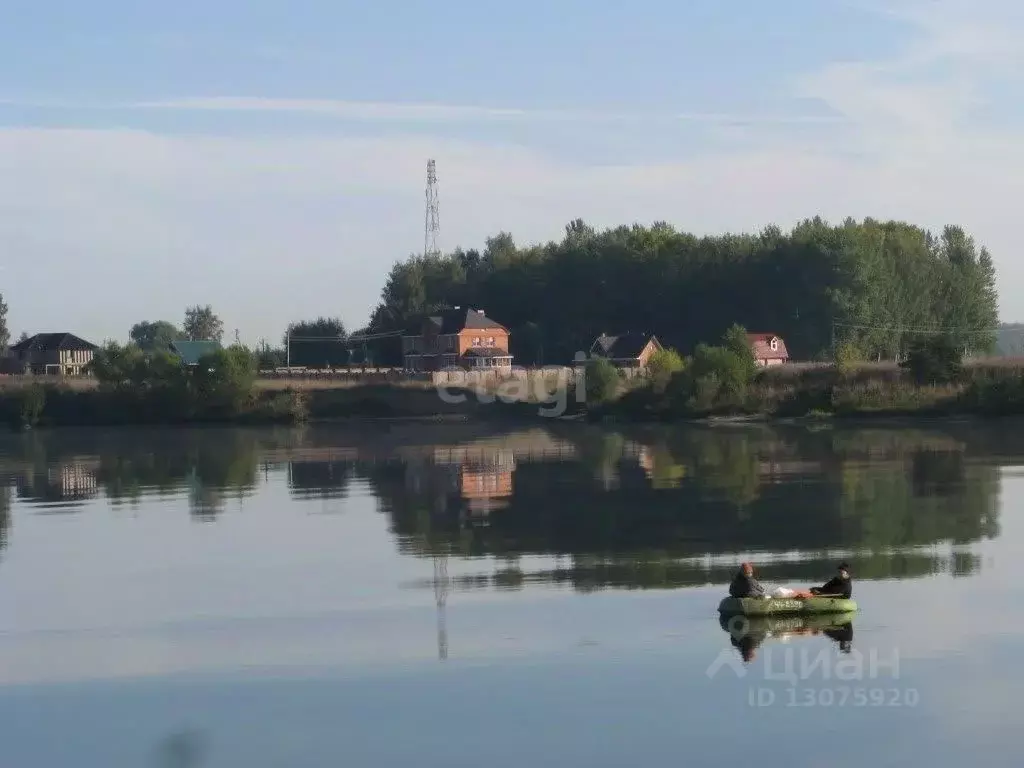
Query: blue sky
pixel 269 158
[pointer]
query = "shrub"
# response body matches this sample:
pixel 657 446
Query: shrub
pixel 847 357
pixel 662 366
pixel 224 379
pixel 730 369
pixel 704 393
pixel 31 401
pixel 935 360
pixel 736 341
pixel 601 381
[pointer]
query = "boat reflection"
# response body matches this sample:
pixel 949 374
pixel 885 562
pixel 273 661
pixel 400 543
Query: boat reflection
pixel 748 633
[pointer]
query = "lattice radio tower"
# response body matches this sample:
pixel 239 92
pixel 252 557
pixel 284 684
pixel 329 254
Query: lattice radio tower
pixel 431 224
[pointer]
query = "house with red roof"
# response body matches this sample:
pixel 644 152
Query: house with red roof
pixel 462 337
pixel 768 349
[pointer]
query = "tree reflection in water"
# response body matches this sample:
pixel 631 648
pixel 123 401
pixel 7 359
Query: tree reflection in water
pixel 625 508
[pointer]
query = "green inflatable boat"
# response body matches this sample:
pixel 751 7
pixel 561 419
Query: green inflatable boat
pixel 783 606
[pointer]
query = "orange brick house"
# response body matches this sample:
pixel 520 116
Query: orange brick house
pixel 627 350
pixel 459 337
pixel 768 349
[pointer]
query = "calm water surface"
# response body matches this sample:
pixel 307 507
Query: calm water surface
pixel 465 596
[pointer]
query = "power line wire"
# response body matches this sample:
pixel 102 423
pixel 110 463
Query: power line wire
pixel 905 329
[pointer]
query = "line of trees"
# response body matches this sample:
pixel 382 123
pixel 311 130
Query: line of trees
pixel 309 343
pixel 201 323
pixel 871 284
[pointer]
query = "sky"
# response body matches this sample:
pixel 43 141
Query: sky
pixel 270 159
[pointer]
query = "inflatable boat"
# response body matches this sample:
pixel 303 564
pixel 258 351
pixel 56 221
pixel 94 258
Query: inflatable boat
pixel 784 606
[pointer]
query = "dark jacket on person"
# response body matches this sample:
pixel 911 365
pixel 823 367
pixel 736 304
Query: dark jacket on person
pixel 746 586
pixel 837 585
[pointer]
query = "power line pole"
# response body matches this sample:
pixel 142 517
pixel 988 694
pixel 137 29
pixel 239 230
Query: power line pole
pixel 431 223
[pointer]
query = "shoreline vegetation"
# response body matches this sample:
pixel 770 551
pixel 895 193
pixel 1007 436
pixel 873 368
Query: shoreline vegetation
pixel 720 383
pixel 725 382
pixel 130 387
pixel 840 295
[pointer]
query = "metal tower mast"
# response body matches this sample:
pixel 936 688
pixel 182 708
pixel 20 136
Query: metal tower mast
pixel 431 225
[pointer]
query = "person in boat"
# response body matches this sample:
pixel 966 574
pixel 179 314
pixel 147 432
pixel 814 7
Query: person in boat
pixel 840 585
pixel 745 585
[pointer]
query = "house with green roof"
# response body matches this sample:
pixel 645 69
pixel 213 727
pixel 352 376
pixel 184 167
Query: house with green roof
pixel 191 351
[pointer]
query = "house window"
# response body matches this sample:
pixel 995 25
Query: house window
pixel 490 341
pixel 476 341
pixel 775 345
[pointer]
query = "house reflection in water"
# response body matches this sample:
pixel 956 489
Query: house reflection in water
pixel 482 476
pixel 64 484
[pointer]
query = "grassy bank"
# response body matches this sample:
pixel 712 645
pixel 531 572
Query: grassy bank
pixel 987 388
pixel 30 403
pixel 982 388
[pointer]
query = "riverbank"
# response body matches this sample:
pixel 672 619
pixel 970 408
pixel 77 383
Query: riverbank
pixel 81 402
pixel 788 393
pixel 870 391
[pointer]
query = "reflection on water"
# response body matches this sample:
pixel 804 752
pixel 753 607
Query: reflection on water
pixel 747 634
pixel 185 749
pixel 5 514
pixel 288 591
pixel 634 508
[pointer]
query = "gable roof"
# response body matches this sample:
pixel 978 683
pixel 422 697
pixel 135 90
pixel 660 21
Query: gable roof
pixel 761 346
pixel 625 346
pixel 191 351
pixel 456 320
pixel 45 342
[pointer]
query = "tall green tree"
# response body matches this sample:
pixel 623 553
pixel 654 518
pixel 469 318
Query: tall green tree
pixel 5 333
pixel 317 343
pixel 967 291
pixel 224 379
pixel 201 324
pixel 873 284
pixel 155 335
pixel 322 327
pixel 735 340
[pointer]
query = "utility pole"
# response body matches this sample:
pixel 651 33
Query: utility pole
pixel 431 222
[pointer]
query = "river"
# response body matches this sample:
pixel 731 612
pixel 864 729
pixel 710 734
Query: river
pixel 466 595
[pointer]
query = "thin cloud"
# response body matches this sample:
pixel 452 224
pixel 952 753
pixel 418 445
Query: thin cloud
pixel 361 110
pixel 927 96
pixel 369 111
